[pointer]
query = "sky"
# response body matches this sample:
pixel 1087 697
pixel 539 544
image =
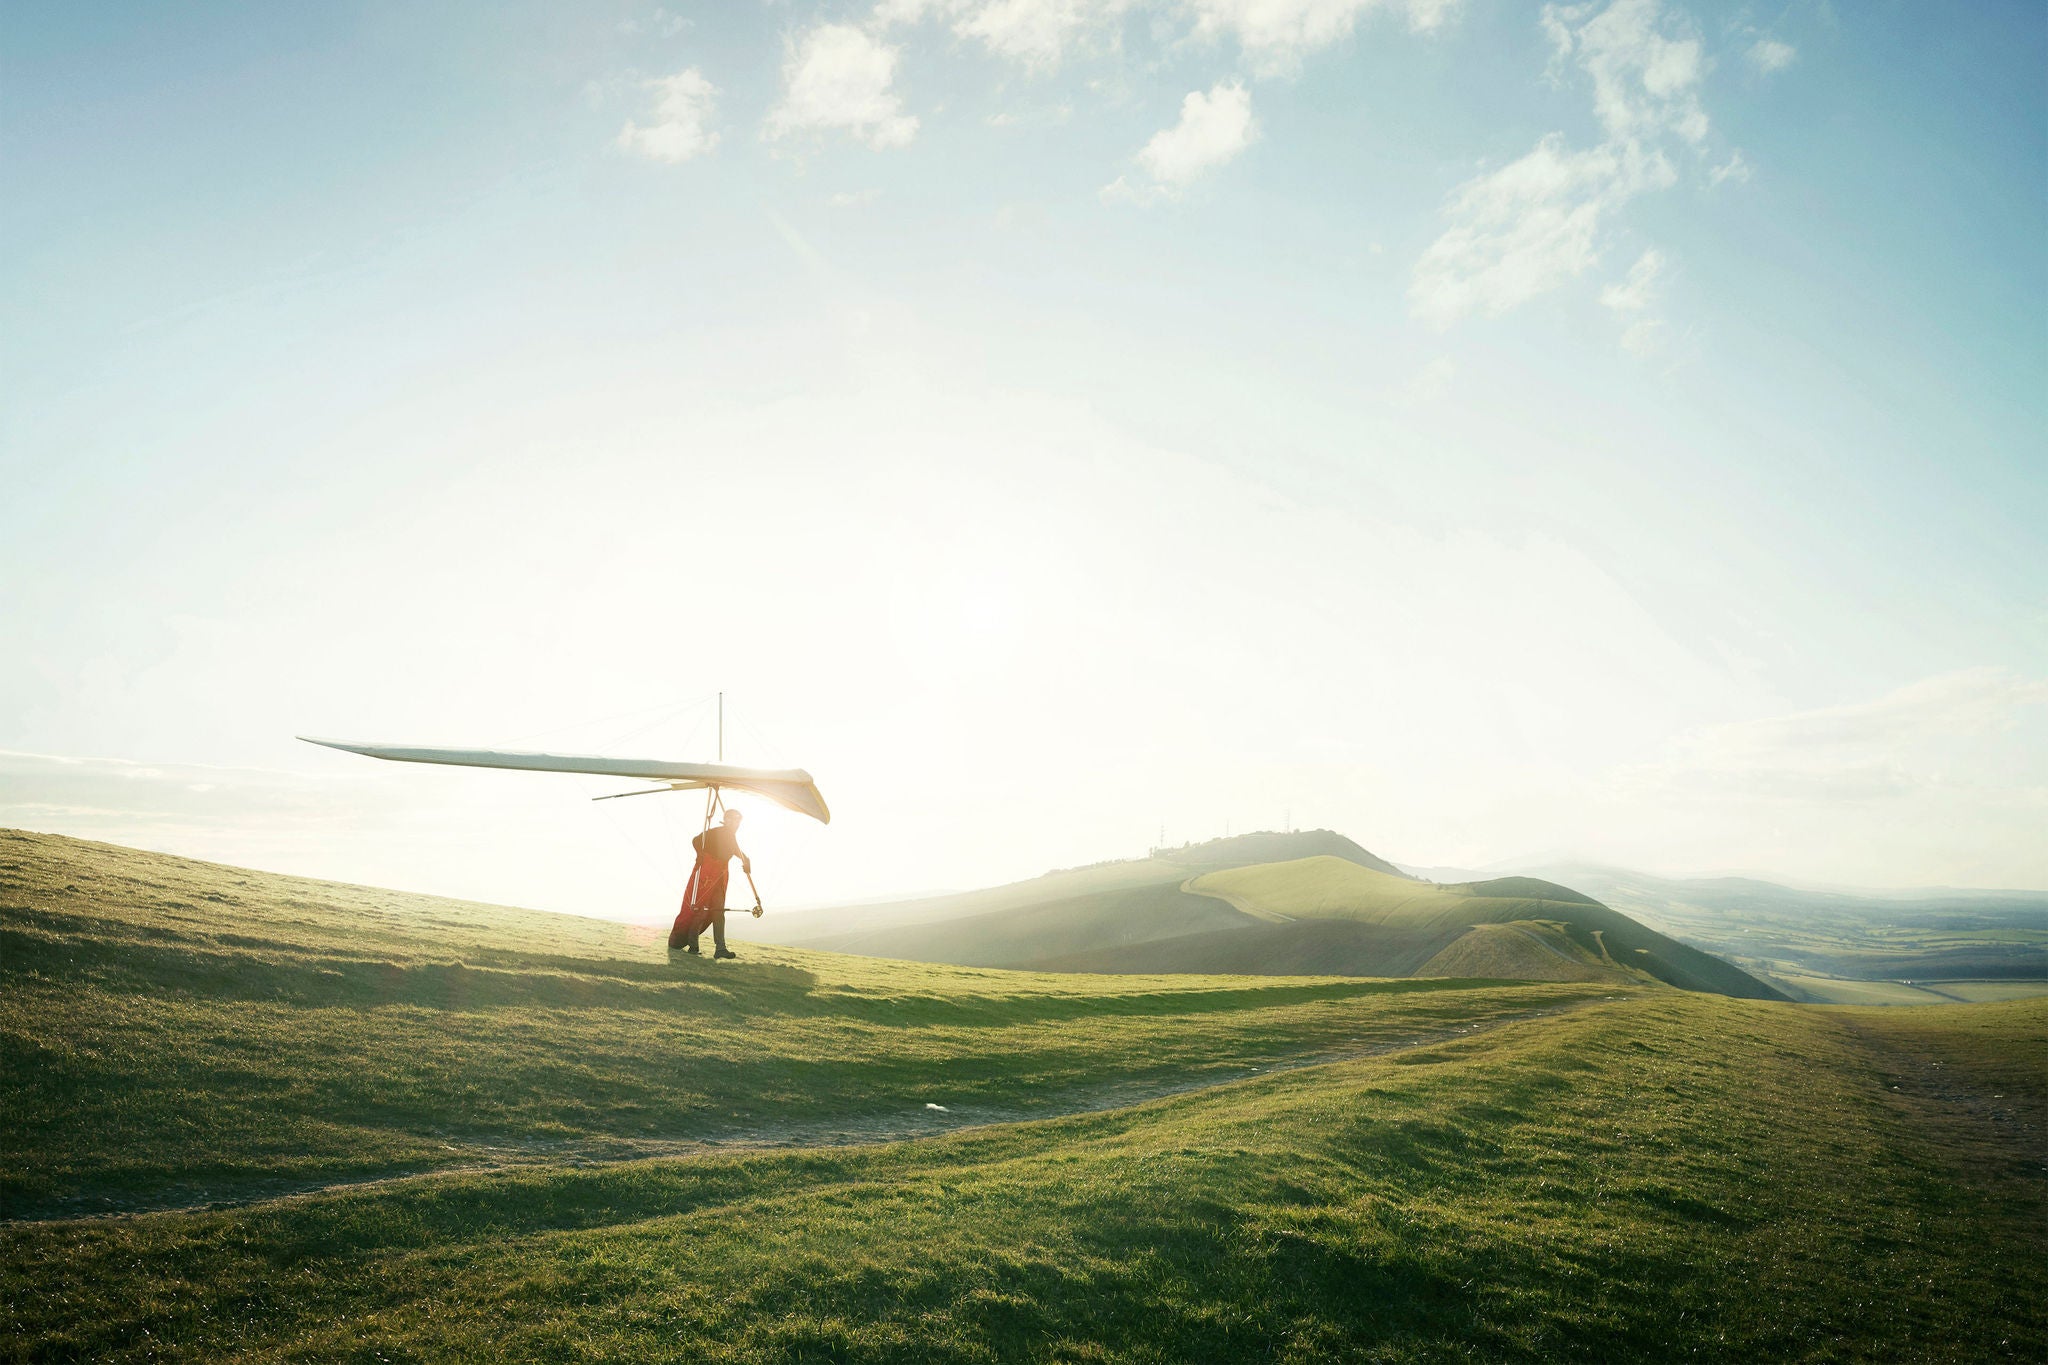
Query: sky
pixel 1494 431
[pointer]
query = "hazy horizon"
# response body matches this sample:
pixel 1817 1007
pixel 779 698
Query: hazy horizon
pixel 1495 433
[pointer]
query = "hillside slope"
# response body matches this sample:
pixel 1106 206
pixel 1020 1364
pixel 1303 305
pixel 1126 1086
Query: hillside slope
pixel 175 1031
pixel 1524 1173
pixel 1520 950
pixel 1025 924
pixel 1331 907
pixel 1419 920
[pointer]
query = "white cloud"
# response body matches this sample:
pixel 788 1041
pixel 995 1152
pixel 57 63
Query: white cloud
pixel 1972 701
pixel 1734 168
pixel 838 78
pixel 1037 33
pixel 1526 228
pixel 1646 66
pixel 1636 293
pixel 1946 778
pixel 1917 738
pixel 1768 55
pixel 1213 129
pixel 680 127
pixel 1276 34
pixel 1634 298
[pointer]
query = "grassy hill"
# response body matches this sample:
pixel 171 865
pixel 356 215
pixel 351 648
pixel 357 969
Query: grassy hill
pixel 1327 906
pixel 1907 947
pixel 1031 923
pixel 178 1032
pixel 537 1139
pixel 1561 933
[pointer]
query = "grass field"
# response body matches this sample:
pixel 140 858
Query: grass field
pixel 1536 1172
pixel 173 1032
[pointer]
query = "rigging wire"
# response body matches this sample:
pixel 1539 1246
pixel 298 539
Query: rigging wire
pixel 667 706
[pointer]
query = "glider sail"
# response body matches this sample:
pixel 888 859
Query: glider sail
pixel 790 788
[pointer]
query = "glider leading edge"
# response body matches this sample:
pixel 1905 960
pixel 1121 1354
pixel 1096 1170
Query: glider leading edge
pixel 704 898
pixel 790 788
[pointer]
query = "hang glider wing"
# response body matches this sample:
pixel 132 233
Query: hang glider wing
pixel 790 788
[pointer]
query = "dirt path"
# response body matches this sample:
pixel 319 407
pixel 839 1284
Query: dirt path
pixel 929 1121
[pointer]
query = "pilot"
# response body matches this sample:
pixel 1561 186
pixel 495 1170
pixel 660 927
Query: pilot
pixel 704 898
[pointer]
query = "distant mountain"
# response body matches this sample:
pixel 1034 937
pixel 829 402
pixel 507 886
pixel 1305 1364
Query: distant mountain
pixel 1272 903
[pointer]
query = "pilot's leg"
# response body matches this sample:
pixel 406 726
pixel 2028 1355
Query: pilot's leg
pixel 718 937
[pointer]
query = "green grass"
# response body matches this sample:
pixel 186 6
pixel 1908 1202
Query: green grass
pixel 175 1032
pixel 1681 1177
pixel 1524 950
pixel 1835 990
pixel 1988 990
pixel 1649 1176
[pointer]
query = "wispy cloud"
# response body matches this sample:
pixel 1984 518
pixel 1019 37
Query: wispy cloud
pixel 1039 34
pixel 1530 226
pixel 1634 299
pixel 1526 228
pixel 679 127
pixel 839 78
pixel 1735 168
pixel 1768 55
pixel 1903 741
pixel 1645 63
pixel 1275 35
pixel 1636 293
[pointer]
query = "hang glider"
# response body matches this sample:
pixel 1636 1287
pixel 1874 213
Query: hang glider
pixel 790 788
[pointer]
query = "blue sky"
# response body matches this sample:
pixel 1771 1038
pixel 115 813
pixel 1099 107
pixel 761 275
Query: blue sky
pixel 1492 430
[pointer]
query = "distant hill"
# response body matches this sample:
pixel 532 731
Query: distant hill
pixel 1560 934
pixel 1271 846
pixel 1102 905
pixel 1926 945
pixel 1284 904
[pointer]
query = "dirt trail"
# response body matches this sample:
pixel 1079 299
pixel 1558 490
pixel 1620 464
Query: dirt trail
pixel 928 1121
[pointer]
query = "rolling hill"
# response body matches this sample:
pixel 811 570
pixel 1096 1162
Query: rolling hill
pixel 1285 904
pixel 1560 934
pixel 265 1119
pixel 1109 904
